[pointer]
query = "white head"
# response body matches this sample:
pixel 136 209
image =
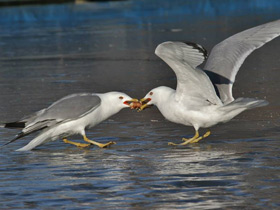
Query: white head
pixel 157 95
pixel 118 100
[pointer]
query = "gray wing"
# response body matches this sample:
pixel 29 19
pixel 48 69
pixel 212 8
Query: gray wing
pixel 70 107
pixel 192 83
pixel 226 57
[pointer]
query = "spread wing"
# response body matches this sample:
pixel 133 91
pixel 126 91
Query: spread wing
pixel 226 57
pixel 192 83
pixel 68 108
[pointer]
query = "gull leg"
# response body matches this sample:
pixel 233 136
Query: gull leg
pixel 196 135
pixel 76 143
pixel 201 137
pixel 196 138
pixel 98 144
pixel 186 140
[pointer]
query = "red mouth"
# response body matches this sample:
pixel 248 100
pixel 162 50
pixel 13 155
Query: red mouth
pixel 147 100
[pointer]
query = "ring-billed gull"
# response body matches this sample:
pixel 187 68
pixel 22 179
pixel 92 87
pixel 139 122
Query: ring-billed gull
pixel 204 98
pixel 71 115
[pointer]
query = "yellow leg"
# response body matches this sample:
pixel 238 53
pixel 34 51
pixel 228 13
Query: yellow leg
pixel 196 138
pixel 196 135
pixel 186 140
pixel 201 137
pixel 98 144
pixel 76 143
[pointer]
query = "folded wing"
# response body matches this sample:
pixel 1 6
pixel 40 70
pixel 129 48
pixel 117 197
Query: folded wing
pixel 68 108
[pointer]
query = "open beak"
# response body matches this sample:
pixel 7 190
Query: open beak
pixel 144 102
pixel 133 103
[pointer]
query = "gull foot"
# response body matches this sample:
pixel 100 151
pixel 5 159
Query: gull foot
pixel 196 138
pixel 201 137
pixel 76 143
pixel 172 144
pixel 184 143
pixel 105 145
pixel 97 143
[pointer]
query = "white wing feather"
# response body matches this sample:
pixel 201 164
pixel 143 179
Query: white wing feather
pixel 192 83
pixel 226 57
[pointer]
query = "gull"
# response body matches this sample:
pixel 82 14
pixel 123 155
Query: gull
pixel 71 115
pixel 203 97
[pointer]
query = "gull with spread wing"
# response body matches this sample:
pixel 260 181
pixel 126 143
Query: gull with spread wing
pixel 71 115
pixel 203 97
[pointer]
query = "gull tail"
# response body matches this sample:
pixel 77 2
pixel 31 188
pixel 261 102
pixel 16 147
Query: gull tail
pixel 26 131
pixel 244 103
pixel 239 105
pixel 13 125
pixel 18 136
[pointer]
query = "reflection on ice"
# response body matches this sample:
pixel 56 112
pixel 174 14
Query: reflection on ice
pixel 167 177
pixel 193 162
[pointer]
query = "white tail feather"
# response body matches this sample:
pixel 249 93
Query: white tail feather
pixel 244 103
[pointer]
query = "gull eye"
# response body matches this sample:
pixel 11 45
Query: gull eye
pixel 151 93
pixel 121 97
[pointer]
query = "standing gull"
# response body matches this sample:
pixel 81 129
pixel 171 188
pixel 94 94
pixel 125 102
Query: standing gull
pixel 71 115
pixel 204 98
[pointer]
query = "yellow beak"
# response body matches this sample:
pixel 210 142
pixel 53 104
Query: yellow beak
pixel 145 101
pixel 134 100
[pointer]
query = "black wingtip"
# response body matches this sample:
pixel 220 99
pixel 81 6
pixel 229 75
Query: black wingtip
pixel 198 47
pixel 18 136
pixel 14 125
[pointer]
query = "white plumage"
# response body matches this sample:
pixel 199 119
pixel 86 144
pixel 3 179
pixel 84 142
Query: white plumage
pixel 70 115
pixel 195 101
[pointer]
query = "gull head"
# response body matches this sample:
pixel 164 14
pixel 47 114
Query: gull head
pixel 122 100
pixel 155 96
